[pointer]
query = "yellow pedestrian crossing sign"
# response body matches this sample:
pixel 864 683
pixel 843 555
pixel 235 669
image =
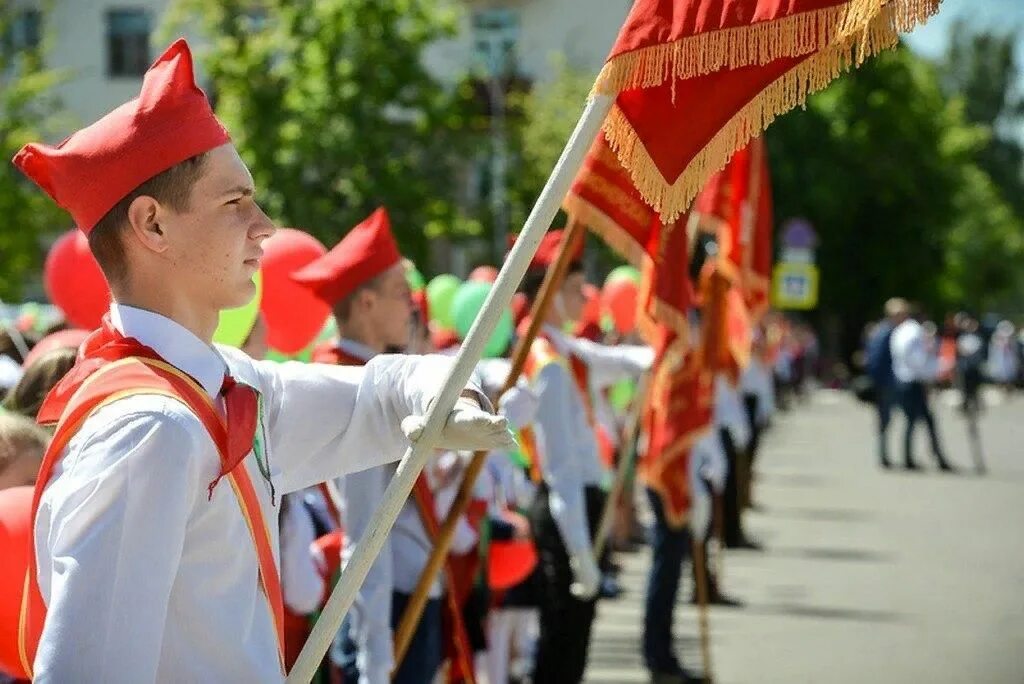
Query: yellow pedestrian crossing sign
pixel 795 285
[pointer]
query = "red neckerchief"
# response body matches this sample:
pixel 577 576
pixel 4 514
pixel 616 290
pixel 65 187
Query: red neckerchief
pixel 107 345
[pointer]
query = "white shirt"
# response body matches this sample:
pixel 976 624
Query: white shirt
pixel 910 359
pixel 707 464
pixel 145 578
pixel 756 380
pixel 729 413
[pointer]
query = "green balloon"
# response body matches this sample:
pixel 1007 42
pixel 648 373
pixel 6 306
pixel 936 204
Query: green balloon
pixel 621 394
pixel 469 300
pixel 415 279
pixel 440 295
pixel 626 271
pixel 236 324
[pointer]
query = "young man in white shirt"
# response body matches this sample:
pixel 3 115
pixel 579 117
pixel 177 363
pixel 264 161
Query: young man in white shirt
pixel 148 569
pixel 913 367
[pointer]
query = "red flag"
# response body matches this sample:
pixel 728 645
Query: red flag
pixel 695 80
pixel 679 412
pixel 758 264
pixel 736 205
pixel 604 199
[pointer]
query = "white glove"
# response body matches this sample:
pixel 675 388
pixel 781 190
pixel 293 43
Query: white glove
pixel 519 405
pixel 469 428
pixel 586 576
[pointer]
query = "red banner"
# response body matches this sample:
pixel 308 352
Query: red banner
pixel 604 199
pixel 695 80
pixel 679 412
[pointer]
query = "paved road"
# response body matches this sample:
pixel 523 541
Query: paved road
pixel 866 576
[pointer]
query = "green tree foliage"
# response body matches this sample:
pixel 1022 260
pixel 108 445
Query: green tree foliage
pixel 883 164
pixel 27 111
pixel 330 105
pixel 980 68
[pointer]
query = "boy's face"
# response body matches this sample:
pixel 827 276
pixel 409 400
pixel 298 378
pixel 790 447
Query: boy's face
pixel 215 245
pixel 573 297
pixel 389 306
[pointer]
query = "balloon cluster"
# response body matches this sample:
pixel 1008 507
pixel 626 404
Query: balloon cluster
pixel 454 305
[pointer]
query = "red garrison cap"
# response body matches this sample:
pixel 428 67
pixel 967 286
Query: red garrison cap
pixel 368 250
pixel 548 250
pixel 98 166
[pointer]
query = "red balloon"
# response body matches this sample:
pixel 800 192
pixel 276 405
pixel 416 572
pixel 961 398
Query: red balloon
pixel 483 274
pixel 294 316
pixel 72 338
pixel 15 537
pixel 619 299
pixel 74 281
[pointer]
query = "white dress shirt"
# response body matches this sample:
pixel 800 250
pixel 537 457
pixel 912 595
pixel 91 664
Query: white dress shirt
pixel 729 412
pixel 707 465
pixel 910 359
pixel 757 380
pixel 145 578
pixel 567 450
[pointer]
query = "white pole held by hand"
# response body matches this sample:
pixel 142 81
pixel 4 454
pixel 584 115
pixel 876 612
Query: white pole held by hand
pixel 412 463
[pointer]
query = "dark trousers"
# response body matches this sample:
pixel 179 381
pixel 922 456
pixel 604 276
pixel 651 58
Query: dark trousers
pixel 565 621
pixel 669 550
pixel 914 401
pixel 732 523
pixel 425 653
pixel 885 398
pixel 751 403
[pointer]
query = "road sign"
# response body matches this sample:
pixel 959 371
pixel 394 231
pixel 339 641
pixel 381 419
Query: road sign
pixel 795 286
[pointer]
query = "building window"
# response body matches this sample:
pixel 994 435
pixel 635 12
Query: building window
pixel 25 32
pixel 128 42
pixel 495 36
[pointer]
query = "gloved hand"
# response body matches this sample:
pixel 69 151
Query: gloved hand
pixel 586 576
pixel 468 428
pixel 519 405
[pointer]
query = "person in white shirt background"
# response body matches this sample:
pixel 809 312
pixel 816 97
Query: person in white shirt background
pixel 569 497
pixel 914 366
pixel 147 574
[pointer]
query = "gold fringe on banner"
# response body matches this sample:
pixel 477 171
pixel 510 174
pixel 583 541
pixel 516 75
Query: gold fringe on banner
pixel 845 35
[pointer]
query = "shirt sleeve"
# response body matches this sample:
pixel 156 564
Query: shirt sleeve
pixel 559 456
pixel 325 421
pixel 370 622
pixel 107 563
pixel 610 364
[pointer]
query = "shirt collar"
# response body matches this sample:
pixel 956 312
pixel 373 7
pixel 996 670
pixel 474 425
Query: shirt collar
pixel 356 349
pixel 173 342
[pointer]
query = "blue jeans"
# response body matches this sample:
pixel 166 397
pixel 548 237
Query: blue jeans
pixel 669 550
pixel 422 659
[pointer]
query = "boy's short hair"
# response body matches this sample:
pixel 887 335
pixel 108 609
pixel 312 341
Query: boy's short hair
pixel 26 397
pixel 19 437
pixel 172 187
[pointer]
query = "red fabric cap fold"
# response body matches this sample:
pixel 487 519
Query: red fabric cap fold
pixel 547 253
pixel 98 166
pixel 368 250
